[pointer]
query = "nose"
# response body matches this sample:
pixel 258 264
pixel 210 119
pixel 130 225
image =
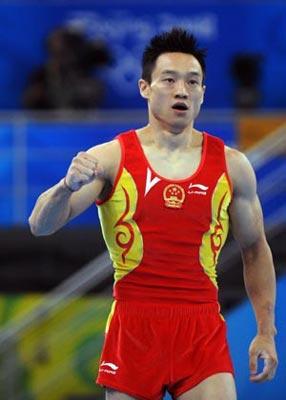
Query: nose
pixel 181 91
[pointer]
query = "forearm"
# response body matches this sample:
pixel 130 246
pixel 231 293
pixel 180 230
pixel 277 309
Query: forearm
pixel 52 210
pixel 260 283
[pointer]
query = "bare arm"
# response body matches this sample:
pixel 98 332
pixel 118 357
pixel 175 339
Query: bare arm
pixel 86 178
pixel 259 275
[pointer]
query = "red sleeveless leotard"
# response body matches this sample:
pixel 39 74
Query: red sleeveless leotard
pixel 164 236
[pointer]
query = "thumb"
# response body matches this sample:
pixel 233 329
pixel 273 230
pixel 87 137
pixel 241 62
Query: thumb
pixel 99 171
pixel 253 363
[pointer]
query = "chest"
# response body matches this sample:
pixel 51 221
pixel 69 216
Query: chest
pixel 175 165
pixel 183 205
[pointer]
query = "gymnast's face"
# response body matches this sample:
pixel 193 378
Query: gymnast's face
pixel 176 91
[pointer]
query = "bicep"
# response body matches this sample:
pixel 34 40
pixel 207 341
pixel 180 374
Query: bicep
pixel 245 210
pixel 246 219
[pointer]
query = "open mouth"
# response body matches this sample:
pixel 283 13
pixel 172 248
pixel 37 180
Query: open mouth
pixel 180 107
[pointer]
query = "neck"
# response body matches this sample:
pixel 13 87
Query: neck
pixel 170 138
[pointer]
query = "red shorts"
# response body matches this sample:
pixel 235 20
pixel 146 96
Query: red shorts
pixel 152 348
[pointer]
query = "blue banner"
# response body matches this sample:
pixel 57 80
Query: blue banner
pixel 226 29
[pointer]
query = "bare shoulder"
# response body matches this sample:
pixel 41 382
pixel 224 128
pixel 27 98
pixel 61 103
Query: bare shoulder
pixel 109 156
pixel 107 148
pixel 240 171
pixel 245 209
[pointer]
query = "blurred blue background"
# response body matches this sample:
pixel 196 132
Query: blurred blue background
pixel 225 28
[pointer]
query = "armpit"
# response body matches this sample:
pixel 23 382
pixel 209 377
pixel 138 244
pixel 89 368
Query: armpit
pixel 106 191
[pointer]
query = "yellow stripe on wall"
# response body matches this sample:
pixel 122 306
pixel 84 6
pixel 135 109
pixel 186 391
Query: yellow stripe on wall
pixel 59 355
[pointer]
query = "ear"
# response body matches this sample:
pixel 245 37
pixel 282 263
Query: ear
pixel 203 95
pixel 144 88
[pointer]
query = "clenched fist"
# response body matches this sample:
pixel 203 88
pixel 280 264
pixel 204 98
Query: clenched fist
pixel 264 348
pixel 84 169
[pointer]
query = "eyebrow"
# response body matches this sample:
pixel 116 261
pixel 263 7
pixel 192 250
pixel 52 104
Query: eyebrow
pixel 172 72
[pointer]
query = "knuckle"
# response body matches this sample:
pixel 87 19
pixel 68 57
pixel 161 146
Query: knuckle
pixel 79 156
pixel 73 170
pixel 273 361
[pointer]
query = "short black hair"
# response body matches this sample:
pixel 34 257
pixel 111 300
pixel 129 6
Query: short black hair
pixel 177 40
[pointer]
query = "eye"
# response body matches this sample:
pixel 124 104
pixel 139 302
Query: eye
pixel 169 80
pixel 193 82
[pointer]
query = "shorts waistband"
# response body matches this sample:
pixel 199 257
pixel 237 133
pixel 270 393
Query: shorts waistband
pixel 163 309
